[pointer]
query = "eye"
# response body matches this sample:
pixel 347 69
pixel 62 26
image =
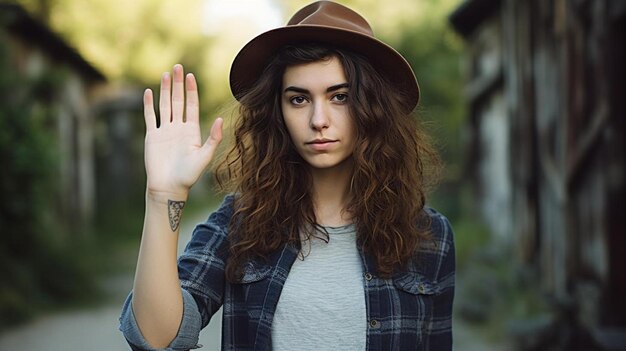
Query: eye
pixel 341 97
pixel 298 100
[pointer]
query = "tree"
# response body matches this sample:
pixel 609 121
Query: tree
pixel 38 269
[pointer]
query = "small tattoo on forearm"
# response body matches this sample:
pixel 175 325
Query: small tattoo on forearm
pixel 175 211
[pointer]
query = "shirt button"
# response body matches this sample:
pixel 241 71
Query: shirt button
pixel 374 324
pixel 368 276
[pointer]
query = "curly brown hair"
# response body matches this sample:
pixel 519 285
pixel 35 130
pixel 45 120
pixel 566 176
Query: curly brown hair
pixel 394 166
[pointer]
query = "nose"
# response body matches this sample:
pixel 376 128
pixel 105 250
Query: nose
pixel 319 117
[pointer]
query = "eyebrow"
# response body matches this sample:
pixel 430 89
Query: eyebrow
pixel 328 90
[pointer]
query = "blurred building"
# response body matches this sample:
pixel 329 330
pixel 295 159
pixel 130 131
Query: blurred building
pixel 119 137
pixel 547 108
pixel 35 51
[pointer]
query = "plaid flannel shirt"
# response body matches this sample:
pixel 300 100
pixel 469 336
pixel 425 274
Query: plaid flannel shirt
pixel 411 311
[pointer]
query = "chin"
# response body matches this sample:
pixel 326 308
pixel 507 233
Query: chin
pixel 328 164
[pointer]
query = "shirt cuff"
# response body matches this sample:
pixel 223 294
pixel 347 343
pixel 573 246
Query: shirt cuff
pixel 188 332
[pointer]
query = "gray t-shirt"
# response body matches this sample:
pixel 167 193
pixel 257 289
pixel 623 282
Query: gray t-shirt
pixel 322 304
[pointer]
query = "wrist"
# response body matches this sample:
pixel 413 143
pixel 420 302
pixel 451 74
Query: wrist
pixel 170 204
pixel 163 197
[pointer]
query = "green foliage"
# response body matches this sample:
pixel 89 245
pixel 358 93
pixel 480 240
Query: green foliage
pixel 133 40
pixel 435 53
pixel 36 269
pixel 497 295
pixel 470 236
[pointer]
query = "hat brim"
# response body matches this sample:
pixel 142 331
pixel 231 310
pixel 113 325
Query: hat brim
pixel 253 57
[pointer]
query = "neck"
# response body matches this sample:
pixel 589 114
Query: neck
pixel 331 195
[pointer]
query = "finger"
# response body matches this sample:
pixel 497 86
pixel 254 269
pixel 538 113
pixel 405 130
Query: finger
pixel 192 111
pixel 214 139
pixel 164 99
pixel 148 110
pixel 178 94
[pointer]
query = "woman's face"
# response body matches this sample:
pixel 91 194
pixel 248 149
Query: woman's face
pixel 315 109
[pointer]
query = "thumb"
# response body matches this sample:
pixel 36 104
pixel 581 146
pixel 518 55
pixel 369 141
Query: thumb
pixel 214 139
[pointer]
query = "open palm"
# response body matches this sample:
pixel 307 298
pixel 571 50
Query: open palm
pixel 174 154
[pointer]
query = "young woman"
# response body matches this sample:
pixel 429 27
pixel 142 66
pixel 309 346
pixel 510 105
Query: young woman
pixel 325 241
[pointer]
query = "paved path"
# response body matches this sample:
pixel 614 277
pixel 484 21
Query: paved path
pixel 95 329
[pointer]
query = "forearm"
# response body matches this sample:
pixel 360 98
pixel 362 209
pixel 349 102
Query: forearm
pixel 157 300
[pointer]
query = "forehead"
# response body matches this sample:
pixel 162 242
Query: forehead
pixel 323 74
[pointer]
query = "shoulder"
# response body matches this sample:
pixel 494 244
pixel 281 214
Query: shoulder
pixel 432 269
pixel 440 230
pixel 435 257
pixel 224 211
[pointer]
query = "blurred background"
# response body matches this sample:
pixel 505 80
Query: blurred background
pixel 525 99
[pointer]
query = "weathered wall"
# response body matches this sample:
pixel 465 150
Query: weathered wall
pixel 547 120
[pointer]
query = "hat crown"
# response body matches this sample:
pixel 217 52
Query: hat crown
pixel 331 14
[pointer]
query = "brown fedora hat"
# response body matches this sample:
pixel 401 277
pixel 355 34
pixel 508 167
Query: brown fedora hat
pixel 324 22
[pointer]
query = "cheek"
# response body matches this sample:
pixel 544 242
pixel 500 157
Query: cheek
pixel 290 127
pixel 295 122
pixel 287 121
pixel 294 131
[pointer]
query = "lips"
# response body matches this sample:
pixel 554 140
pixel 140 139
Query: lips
pixel 321 144
pixel 321 141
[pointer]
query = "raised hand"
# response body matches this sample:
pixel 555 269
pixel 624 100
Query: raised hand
pixel 174 154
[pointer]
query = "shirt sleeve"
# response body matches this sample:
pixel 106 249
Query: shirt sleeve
pixel 440 328
pixel 188 332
